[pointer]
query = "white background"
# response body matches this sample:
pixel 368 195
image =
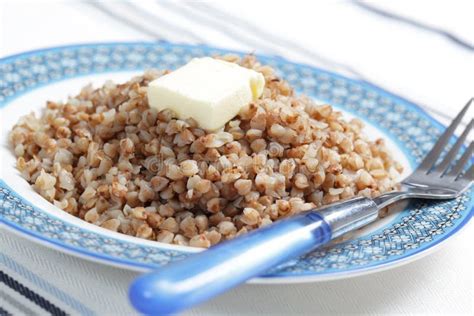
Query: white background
pixel 419 65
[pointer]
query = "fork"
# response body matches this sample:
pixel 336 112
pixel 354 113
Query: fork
pixel 202 276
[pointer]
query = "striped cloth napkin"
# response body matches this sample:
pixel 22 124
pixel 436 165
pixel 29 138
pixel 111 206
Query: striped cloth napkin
pixel 36 280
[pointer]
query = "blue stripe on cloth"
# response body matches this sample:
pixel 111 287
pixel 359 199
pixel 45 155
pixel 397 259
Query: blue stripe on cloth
pixel 15 303
pixel 29 294
pixel 4 312
pixel 46 286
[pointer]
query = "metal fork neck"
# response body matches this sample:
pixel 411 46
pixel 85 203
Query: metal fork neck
pixel 408 191
pixel 390 197
pixel 351 214
pixel 348 215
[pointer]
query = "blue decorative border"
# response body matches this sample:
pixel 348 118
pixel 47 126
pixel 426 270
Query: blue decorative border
pixel 417 228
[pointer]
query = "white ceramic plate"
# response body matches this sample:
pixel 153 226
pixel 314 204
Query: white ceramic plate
pixel 28 80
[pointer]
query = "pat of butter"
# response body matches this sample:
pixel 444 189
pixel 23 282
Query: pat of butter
pixel 209 90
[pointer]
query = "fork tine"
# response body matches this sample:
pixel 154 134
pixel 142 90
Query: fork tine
pixel 469 174
pixel 451 155
pixel 433 155
pixel 459 166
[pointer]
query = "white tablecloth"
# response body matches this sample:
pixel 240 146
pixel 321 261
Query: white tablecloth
pixel 418 63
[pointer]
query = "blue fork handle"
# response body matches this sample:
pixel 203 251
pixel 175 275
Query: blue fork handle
pixel 202 276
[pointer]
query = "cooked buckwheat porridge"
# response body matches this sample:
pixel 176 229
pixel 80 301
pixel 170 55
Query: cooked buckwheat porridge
pixel 108 158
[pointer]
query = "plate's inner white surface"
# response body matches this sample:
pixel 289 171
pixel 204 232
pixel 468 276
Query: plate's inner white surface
pixel 36 100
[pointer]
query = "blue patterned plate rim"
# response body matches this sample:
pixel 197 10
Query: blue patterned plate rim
pixel 327 263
